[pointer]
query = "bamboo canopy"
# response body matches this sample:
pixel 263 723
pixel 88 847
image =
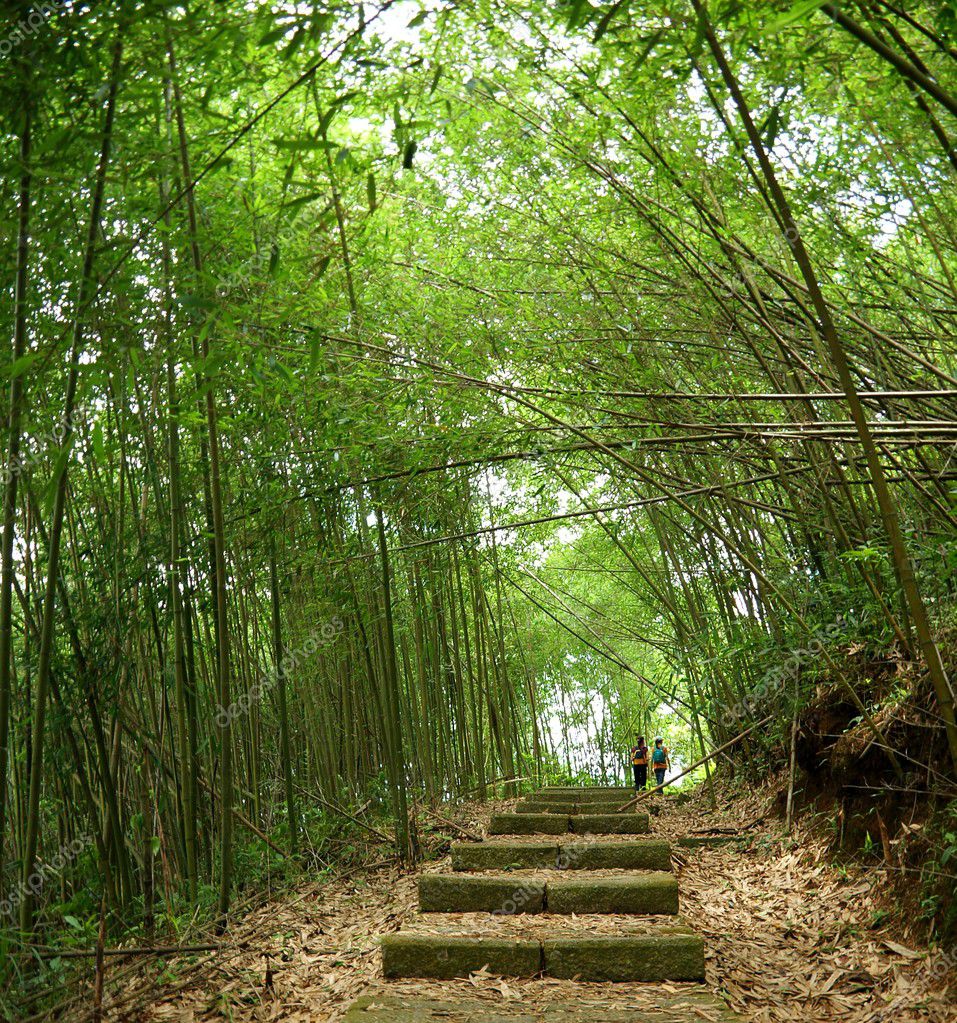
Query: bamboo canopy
pixel 401 408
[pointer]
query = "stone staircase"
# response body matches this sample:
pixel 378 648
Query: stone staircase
pixel 570 894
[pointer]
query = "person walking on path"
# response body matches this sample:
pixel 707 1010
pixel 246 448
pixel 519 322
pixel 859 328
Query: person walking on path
pixel 639 761
pixel 660 761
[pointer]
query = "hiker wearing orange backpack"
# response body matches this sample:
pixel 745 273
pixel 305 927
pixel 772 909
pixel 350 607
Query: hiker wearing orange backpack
pixel 639 762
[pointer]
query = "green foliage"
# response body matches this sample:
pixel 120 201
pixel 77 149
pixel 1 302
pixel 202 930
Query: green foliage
pixel 508 274
pixel 938 871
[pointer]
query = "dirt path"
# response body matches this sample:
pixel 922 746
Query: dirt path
pixel 789 937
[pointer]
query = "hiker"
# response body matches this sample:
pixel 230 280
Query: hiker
pixel 660 761
pixel 639 761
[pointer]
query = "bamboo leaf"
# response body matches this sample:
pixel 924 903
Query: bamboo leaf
pixel 19 366
pixel 303 143
pixel 799 12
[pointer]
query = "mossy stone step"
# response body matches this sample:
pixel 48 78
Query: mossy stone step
pixel 566 807
pixel 505 855
pixel 576 854
pixel 445 957
pixel 652 892
pixel 668 952
pixel 528 824
pixel 690 1004
pixel 643 854
pixel 609 824
pixel 390 1009
pixel 584 795
pixel 583 788
pixel 559 824
pixel 455 893
pixel 645 958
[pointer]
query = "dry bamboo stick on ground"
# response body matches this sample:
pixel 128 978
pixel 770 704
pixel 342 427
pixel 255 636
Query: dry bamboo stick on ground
pixel 159 950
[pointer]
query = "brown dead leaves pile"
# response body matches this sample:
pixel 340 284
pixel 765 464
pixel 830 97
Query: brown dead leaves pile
pixel 789 936
pixel 792 937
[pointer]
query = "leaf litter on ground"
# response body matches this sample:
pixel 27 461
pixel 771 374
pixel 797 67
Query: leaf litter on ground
pixel 788 939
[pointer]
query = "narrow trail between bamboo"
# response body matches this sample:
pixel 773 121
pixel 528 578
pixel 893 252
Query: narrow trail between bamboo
pixel 788 936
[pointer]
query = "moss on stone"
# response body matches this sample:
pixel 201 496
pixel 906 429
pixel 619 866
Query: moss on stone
pixel 504 855
pixel 646 854
pixel 567 807
pixel 651 957
pixel 689 1004
pixel 453 893
pixel 443 957
pixel 553 806
pixel 610 824
pixel 651 892
pixel 528 824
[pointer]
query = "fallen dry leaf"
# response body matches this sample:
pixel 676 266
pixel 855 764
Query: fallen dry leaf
pixel 787 941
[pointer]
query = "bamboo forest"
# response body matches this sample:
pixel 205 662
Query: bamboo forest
pixel 476 473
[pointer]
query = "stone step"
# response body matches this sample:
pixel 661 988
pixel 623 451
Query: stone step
pixel 565 807
pixel 584 795
pixel 494 855
pixel 609 824
pixel 569 808
pixel 643 854
pixel 652 892
pixel 528 824
pixel 560 824
pixel 649 951
pixel 648 893
pixel 690 1004
pixel 500 894
pixel 612 798
pixel 645 958
pixel 443 957
pixel 584 788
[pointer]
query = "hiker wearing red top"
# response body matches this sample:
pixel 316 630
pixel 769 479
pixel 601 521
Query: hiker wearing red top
pixel 639 761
